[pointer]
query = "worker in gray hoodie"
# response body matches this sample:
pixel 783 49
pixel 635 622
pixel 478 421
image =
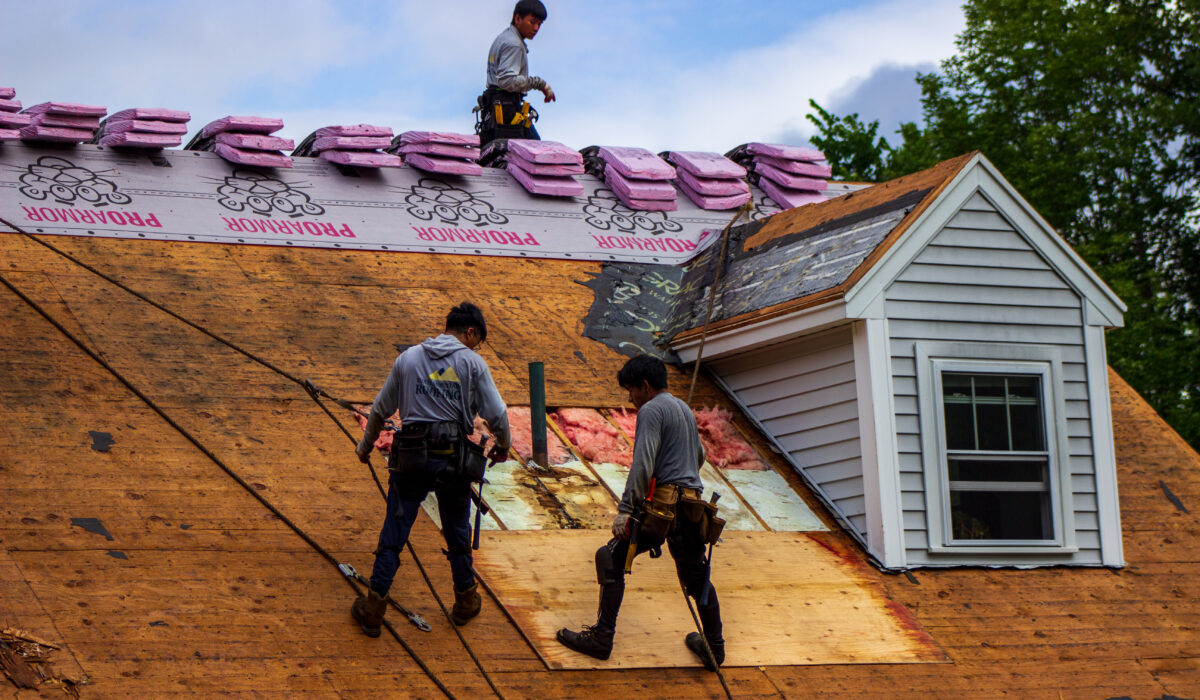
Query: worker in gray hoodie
pixel 438 387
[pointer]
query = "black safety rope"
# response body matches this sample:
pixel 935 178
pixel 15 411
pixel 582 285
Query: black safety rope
pixel 224 467
pixel 313 391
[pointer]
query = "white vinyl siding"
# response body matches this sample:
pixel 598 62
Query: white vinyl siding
pixel 803 394
pixel 978 281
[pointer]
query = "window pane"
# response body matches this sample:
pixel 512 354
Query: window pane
pixel 989 386
pixel 956 385
pixel 1027 428
pixel 994 470
pixel 960 426
pixel 1024 387
pixel 988 515
pixel 993 426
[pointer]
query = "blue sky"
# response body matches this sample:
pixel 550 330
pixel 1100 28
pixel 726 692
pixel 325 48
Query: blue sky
pixel 661 74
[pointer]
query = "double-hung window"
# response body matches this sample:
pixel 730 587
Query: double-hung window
pixel 993 431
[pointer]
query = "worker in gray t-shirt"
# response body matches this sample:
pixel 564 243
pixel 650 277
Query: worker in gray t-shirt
pixel 508 77
pixel 667 455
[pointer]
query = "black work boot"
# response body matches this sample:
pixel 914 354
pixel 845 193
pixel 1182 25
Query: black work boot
pixel 591 640
pixel 696 643
pixel 369 610
pixel 466 605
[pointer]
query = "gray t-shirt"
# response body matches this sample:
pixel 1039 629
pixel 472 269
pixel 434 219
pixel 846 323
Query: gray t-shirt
pixel 507 65
pixel 666 447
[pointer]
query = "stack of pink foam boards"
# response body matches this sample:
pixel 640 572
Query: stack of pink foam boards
pixel 544 167
pixel 710 180
pixel 439 152
pixel 640 179
pixel 359 145
pixel 246 141
pixel 790 175
pixel 11 122
pixel 62 122
pixel 144 127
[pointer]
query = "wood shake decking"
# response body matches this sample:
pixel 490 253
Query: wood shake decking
pixel 202 591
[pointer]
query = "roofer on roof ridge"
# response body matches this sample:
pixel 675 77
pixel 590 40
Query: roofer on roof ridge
pixel 438 387
pixel 661 502
pixel 503 111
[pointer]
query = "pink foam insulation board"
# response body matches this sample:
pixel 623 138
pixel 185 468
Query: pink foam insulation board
pixel 354 130
pixel 350 143
pixel 362 159
pixel 139 140
pixel 550 185
pixel 651 204
pixel 155 113
pixel 144 126
pixel 713 187
pixel 529 166
pixel 12 120
pixel 249 125
pixel 446 166
pixel 58 134
pixel 7 93
pixel 713 203
pixel 265 159
pixel 797 167
pixel 410 137
pixel 703 164
pixel 441 149
pixel 791 180
pixel 550 152
pixel 67 120
pixel 67 108
pixel 637 189
pixel 383 443
pixel 10 105
pixel 10 135
pixel 637 163
pixel 593 436
pixel 724 446
pixel 778 150
pixel 255 142
pixel 522 438
pixel 789 198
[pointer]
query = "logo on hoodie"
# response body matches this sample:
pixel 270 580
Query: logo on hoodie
pixel 442 383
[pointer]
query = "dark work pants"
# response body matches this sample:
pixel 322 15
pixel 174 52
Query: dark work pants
pixel 404 497
pixel 690 565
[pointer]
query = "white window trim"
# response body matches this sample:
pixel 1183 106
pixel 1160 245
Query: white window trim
pixel 933 358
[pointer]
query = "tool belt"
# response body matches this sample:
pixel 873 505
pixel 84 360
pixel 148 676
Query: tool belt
pixel 506 115
pixel 674 507
pixel 415 443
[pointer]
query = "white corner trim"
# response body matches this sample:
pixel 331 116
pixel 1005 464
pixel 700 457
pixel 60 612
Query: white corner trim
pixel 877 438
pixel 1103 449
pixel 767 332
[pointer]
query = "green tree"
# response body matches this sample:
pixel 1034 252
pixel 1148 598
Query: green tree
pixel 1092 109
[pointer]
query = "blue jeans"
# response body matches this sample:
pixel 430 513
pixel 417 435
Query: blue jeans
pixel 405 494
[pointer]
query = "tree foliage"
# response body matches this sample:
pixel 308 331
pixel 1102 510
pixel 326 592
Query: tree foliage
pixel 1091 108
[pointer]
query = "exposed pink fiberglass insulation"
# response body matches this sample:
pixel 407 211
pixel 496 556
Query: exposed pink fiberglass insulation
pixel 522 437
pixel 723 446
pixel 626 419
pixel 593 436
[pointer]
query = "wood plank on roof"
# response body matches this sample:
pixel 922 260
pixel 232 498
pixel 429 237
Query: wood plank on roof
pixel 823 608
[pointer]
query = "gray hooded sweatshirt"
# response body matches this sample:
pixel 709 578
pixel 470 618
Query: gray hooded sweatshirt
pixel 440 381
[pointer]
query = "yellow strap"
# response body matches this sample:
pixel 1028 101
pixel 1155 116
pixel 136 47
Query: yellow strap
pixel 499 114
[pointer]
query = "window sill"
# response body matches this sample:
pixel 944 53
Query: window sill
pixel 1049 549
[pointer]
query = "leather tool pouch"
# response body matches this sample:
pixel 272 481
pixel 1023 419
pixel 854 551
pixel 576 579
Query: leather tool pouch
pixel 659 516
pixel 692 512
pixel 714 525
pixel 409 449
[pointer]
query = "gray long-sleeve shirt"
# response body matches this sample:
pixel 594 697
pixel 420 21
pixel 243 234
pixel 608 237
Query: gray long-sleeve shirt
pixel 666 447
pixel 440 381
pixel 508 66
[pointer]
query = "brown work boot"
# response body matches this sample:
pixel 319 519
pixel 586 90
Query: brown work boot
pixel 369 610
pixel 466 605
